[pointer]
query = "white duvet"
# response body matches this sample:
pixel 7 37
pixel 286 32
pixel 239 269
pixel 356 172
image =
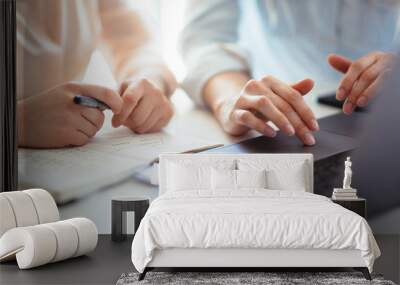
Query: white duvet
pixel 250 219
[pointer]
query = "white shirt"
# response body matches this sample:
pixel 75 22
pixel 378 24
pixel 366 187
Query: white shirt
pixel 56 38
pixel 289 39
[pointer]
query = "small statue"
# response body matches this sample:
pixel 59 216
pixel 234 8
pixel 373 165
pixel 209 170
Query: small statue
pixel 347 174
pixel 347 192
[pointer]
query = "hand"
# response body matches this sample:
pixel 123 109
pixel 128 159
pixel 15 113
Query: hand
pixel 270 100
pixel 361 79
pixel 52 119
pixel 145 108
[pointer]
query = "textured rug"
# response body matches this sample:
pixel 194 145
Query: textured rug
pixel 232 278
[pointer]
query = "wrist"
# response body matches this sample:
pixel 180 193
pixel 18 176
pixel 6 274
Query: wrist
pixel 222 107
pixel 221 92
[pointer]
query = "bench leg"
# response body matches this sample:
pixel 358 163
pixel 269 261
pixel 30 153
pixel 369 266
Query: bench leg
pixel 364 271
pixel 143 274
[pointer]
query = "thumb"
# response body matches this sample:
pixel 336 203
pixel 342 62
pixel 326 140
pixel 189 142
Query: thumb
pixel 340 63
pixel 304 86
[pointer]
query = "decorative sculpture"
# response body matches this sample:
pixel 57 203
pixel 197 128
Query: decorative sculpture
pixel 346 192
pixel 348 173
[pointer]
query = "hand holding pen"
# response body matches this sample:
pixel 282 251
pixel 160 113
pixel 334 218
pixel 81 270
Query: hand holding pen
pixel 56 119
pixel 146 106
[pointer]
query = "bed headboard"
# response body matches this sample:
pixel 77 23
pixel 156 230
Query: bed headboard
pixel 281 163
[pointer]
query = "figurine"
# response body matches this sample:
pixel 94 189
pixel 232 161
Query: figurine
pixel 347 174
pixel 347 192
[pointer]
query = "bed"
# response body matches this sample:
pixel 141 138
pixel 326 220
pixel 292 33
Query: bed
pixel 242 211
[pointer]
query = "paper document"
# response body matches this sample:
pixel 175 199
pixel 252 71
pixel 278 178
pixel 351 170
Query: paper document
pixel 109 158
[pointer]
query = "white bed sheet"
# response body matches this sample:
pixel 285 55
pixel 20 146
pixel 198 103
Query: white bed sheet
pixel 251 218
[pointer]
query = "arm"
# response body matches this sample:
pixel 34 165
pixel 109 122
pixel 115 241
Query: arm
pixel 145 82
pixel 132 45
pixel 208 44
pixel 50 118
pixel 219 77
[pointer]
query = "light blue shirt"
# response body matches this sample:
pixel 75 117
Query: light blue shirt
pixel 289 39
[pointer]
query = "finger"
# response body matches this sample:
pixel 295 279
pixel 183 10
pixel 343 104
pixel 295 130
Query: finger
pixel 85 126
pixel 340 63
pixel 140 113
pixel 149 123
pixel 248 119
pixel 366 79
pixel 103 94
pixel 163 120
pixel 264 106
pixel 94 116
pixel 78 138
pixel 296 101
pixel 122 88
pixel 302 131
pixel 159 125
pixel 353 73
pixel 304 86
pixel 371 91
pixel 131 98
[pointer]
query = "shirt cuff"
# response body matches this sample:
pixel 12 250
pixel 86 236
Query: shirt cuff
pixel 206 62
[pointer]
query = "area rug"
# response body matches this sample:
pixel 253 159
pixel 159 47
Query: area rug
pixel 243 278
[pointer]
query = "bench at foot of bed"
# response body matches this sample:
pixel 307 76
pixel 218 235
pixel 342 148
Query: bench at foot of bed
pixel 363 270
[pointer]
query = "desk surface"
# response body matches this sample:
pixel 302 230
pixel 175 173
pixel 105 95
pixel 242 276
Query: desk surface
pixel 106 264
pixel 198 123
pixel 190 121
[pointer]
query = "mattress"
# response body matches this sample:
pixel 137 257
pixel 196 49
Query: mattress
pixel 252 219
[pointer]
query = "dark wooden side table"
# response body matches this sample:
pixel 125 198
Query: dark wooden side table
pixel 358 206
pixel 119 208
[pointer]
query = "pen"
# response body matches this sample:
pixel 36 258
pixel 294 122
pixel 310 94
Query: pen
pixel 196 150
pixel 204 148
pixel 90 102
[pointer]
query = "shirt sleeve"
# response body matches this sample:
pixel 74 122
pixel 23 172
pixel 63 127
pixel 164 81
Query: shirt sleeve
pixel 209 43
pixel 132 39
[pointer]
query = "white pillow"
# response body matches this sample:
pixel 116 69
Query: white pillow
pixel 251 178
pixel 282 174
pixel 292 180
pixel 223 179
pixel 188 177
pixel 226 179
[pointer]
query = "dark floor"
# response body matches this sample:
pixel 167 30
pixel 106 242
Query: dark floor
pixel 389 262
pixel 110 260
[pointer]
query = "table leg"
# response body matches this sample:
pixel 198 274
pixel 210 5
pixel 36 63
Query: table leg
pixel 140 211
pixel 118 223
